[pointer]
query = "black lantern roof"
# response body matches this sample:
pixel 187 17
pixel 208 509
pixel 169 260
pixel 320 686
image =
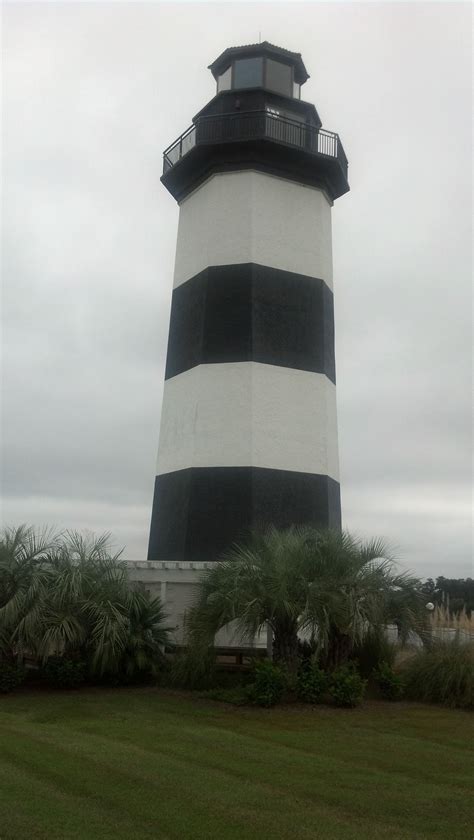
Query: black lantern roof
pixel 265 48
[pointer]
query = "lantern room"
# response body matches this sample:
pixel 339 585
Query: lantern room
pixel 260 66
pixel 257 120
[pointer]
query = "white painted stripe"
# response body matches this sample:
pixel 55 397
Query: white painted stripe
pixel 249 414
pixel 242 217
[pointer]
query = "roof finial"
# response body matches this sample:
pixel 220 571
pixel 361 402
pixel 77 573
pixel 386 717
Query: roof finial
pixel 259 37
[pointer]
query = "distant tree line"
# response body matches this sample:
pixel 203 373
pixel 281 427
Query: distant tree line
pixel 454 593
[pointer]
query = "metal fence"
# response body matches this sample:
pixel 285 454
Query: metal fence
pixel 179 148
pixel 253 125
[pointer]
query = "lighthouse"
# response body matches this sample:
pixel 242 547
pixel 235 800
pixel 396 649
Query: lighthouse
pixel 248 432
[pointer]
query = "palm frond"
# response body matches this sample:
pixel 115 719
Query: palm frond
pixel 325 582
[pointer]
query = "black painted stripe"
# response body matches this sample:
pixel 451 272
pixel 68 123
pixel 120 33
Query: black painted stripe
pixel 250 312
pixel 293 164
pixel 198 512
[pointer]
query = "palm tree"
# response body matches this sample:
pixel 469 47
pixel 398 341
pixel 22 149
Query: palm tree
pixel 147 634
pixel 356 592
pixel 69 595
pixel 85 612
pixel 302 581
pixel 25 577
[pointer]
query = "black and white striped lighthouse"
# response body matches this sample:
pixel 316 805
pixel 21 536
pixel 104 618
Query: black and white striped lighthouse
pixel 248 427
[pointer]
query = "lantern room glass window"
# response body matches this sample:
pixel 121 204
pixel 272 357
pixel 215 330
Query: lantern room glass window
pixel 248 73
pixel 224 81
pixel 259 72
pixel 279 77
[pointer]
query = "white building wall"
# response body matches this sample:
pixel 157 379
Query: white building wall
pixel 175 584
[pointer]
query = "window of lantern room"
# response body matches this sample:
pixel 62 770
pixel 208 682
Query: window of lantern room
pixel 224 80
pixel 279 77
pixel 248 73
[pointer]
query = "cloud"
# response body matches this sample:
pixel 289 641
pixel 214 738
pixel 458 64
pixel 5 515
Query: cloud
pixel 93 93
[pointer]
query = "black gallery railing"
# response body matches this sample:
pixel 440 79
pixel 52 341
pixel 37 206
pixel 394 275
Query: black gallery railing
pixel 223 128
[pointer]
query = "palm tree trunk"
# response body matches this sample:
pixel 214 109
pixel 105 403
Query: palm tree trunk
pixel 285 648
pixel 338 650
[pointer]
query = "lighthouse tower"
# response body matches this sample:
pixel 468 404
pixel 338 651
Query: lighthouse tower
pixel 248 429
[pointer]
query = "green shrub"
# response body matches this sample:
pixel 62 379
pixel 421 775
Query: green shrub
pixel 372 651
pixel 347 687
pixel 311 684
pixel 12 675
pixel 268 684
pixel 442 673
pixel 389 683
pixel 228 678
pixel 194 669
pixel 60 672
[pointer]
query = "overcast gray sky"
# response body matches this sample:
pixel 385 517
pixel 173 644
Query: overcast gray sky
pixel 92 95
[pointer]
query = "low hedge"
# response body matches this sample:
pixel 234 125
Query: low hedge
pixel 347 687
pixel 12 675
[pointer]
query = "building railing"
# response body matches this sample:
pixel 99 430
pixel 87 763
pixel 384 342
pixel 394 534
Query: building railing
pixel 254 125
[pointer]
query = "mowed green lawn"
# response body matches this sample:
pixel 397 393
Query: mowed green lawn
pixel 145 763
